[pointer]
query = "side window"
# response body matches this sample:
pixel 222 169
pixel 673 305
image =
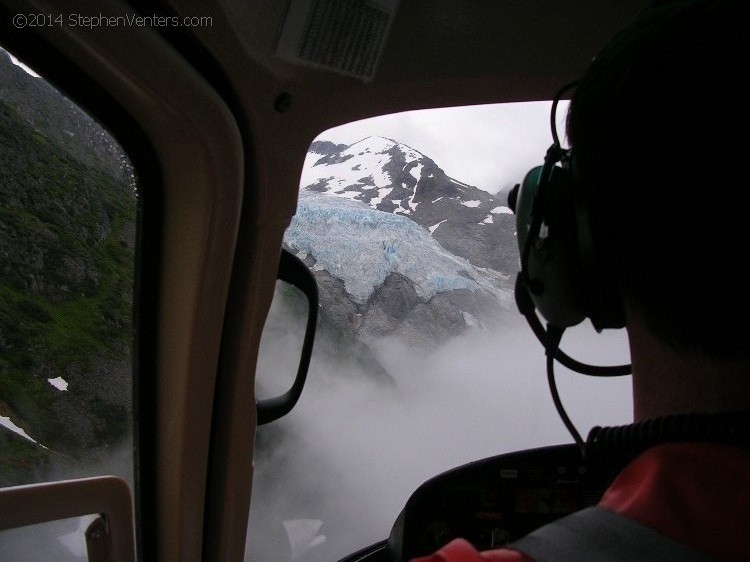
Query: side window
pixel 67 257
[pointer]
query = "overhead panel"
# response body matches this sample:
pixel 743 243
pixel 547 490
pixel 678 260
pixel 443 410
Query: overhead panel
pixel 344 36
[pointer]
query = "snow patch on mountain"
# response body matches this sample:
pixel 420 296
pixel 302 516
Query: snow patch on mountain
pixel 362 246
pixel 6 422
pixel 360 165
pixel 433 228
pixel 59 383
pixel 382 193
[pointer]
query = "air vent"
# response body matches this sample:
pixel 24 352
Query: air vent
pixel 345 36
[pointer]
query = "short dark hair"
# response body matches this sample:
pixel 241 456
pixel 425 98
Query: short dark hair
pixel 659 126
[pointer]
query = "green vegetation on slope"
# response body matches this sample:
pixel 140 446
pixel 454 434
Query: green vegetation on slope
pixel 66 284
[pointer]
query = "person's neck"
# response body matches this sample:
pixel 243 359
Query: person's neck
pixel 666 382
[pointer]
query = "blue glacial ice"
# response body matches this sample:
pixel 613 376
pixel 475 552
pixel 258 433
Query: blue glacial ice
pixel 362 246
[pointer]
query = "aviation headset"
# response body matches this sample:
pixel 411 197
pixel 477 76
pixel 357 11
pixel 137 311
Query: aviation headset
pixel 561 276
pixel 559 266
pixel 564 278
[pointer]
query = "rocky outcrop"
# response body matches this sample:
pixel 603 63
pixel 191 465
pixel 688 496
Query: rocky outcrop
pixel 67 238
pixel 394 178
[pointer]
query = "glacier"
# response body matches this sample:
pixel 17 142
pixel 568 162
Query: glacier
pixel 363 246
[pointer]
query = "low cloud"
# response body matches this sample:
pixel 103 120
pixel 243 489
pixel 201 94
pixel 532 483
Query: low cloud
pixel 355 447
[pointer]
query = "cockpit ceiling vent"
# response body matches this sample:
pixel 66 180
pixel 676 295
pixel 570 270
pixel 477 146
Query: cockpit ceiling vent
pixel 345 36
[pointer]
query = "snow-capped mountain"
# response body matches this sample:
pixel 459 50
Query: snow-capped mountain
pixel 394 178
pixel 398 247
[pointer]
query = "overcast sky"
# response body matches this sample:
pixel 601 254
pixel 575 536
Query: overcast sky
pixel 488 146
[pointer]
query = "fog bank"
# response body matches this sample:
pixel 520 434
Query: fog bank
pixel 341 466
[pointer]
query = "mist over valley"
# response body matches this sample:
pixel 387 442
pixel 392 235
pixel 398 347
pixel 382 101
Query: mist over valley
pixel 421 361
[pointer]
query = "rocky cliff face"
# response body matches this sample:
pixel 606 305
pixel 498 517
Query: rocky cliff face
pixel 43 109
pixel 398 247
pixel 394 178
pixel 67 229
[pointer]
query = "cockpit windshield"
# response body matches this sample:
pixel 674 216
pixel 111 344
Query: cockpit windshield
pixel 422 361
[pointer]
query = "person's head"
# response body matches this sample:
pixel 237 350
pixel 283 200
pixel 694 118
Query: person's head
pixel 660 128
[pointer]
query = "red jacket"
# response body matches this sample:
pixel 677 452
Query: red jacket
pixel 695 493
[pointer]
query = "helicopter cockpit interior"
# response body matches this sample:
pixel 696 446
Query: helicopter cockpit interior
pixel 176 173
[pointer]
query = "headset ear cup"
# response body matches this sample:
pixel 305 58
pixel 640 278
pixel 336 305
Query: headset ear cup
pixel 551 269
